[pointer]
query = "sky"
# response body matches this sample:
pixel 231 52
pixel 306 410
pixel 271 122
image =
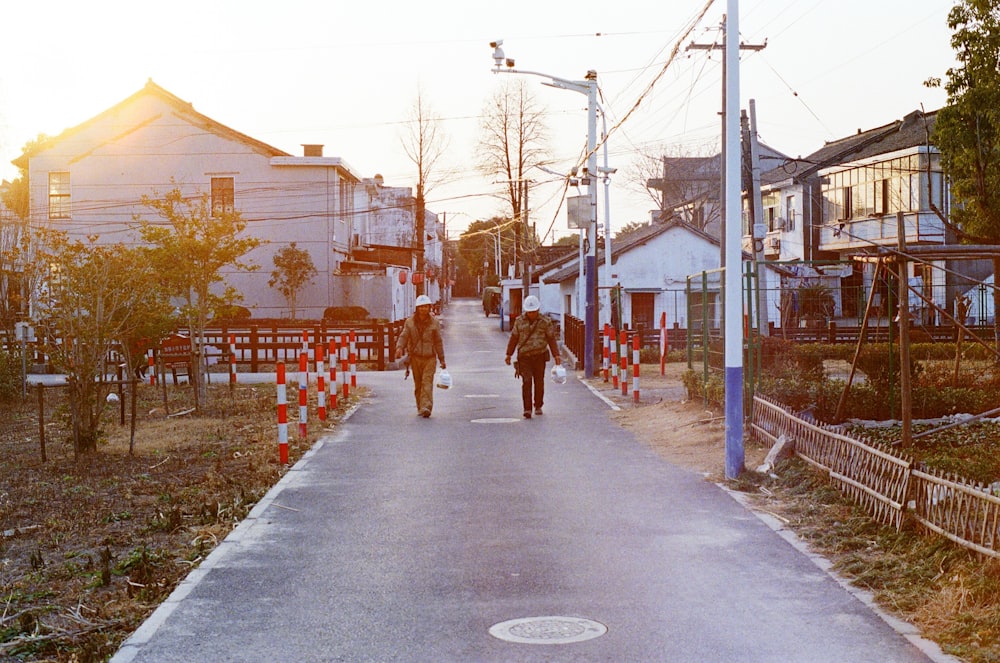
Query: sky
pixel 347 74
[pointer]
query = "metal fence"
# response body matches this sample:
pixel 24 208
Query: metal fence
pixel 886 484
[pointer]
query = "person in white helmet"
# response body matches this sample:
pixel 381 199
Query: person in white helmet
pixel 534 337
pixel 421 340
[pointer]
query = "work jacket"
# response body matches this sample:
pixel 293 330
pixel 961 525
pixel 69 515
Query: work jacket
pixel 422 339
pixel 532 338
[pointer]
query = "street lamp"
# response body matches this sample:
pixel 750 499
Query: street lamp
pixel 588 87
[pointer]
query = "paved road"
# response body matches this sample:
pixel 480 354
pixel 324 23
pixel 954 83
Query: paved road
pixel 405 539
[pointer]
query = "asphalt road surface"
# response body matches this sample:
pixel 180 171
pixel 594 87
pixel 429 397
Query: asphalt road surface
pixel 476 535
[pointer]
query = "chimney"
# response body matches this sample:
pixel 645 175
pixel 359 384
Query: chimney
pixel 312 150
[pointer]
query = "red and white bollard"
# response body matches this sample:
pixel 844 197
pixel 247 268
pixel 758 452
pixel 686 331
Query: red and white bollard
pixel 282 416
pixel 303 393
pixel 320 383
pixel 354 360
pixel 333 373
pixel 664 343
pixel 343 366
pixel 232 359
pixel 606 351
pixel 613 342
pixel 623 356
pixel 305 340
pixel 151 363
pixel 635 367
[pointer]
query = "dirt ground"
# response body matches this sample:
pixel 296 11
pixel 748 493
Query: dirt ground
pixel 686 432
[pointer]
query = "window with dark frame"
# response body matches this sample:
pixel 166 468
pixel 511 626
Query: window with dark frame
pixel 223 196
pixel 59 195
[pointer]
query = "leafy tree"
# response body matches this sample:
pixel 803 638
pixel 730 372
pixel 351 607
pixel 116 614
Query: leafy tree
pixel 567 240
pixel 424 145
pixel 477 247
pixel 293 268
pixel 188 249
pixel 97 298
pixel 967 129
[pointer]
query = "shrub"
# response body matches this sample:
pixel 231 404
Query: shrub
pixel 336 314
pixel 10 375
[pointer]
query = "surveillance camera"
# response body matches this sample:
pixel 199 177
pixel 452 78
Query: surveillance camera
pixel 498 56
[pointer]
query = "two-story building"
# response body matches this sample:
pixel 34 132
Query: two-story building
pixel 90 180
pixel 842 203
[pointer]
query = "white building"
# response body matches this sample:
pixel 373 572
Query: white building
pixel 90 180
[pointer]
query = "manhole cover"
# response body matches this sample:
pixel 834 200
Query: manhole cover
pixel 496 420
pixel 548 630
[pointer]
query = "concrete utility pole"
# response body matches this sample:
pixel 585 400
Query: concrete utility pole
pixel 419 228
pixel 735 454
pixel 724 142
pixel 757 218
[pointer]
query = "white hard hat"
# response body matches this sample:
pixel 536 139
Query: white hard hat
pixel 559 374
pixel 531 303
pixel 444 380
pixel 423 300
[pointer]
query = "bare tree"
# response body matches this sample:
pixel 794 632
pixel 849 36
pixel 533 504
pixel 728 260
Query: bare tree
pixel 683 185
pixel 424 145
pixel 513 138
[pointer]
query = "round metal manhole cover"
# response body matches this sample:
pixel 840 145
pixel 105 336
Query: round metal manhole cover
pixel 496 420
pixel 548 630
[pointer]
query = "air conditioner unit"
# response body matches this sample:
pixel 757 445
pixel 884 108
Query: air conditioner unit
pixel 774 243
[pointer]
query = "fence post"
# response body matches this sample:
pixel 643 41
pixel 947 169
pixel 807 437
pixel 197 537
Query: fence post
pixel 232 361
pixel 254 339
pixel 282 415
pixel 41 419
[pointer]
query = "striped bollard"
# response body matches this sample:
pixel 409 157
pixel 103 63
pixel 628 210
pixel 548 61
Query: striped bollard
pixel 635 368
pixel 303 393
pixel 354 360
pixel 613 342
pixel 606 351
pixel 333 373
pixel 151 362
pixel 282 416
pixel 343 367
pixel 305 340
pixel 664 343
pixel 320 384
pixel 232 359
pixel 623 358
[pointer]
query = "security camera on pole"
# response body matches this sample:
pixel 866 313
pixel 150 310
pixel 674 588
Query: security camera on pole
pixel 588 86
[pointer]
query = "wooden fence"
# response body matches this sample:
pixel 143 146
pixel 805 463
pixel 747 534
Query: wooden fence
pixel 885 484
pixel 258 347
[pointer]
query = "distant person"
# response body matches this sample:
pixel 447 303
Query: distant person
pixel 534 336
pixel 421 340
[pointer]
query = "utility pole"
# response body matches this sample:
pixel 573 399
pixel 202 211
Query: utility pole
pixel 724 142
pixel 525 252
pixel 419 227
pixel 730 235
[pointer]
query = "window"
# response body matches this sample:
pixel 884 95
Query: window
pixel 223 196
pixel 790 213
pixel 59 195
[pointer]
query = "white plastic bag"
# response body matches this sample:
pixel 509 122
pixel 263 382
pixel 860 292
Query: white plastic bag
pixel 558 374
pixel 444 380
